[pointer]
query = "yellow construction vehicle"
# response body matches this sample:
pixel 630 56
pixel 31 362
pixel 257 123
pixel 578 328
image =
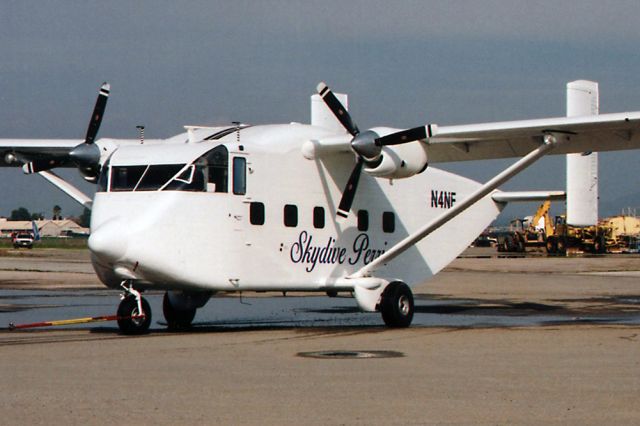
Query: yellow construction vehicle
pixel 624 233
pixel 528 232
pixel 586 239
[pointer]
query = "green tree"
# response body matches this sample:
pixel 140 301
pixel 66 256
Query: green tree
pixel 20 213
pixel 57 212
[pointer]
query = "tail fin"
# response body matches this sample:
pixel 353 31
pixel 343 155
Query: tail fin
pixel 36 233
pixel 582 169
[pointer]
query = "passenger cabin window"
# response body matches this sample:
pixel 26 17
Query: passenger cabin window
pixel 256 213
pixel 239 175
pixel 363 220
pixel 318 217
pixel 388 222
pixel 290 215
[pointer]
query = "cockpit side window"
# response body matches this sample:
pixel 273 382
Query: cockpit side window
pixel 125 178
pixel 208 173
pixel 103 179
pixel 217 167
pixel 190 179
pixel 156 176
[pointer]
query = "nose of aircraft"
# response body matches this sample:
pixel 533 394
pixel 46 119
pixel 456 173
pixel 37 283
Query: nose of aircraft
pixel 109 241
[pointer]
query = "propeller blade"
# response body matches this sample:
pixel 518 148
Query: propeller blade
pixel 36 166
pixel 337 108
pixel 404 136
pixel 350 191
pixel 98 111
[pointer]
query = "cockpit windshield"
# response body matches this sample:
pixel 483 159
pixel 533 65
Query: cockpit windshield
pixel 208 173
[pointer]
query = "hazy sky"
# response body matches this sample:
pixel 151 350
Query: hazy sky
pixel 403 63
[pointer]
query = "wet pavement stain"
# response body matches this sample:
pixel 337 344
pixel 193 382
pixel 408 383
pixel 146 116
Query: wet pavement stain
pixel 316 312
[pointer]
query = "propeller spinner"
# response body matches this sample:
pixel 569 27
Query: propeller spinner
pixel 366 145
pixel 86 156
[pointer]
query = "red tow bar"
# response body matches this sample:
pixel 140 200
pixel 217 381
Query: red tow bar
pixel 85 320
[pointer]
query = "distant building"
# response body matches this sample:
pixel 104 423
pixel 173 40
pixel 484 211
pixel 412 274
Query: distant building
pixel 47 228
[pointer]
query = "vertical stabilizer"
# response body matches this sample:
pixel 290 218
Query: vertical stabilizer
pixel 582 169
pixel 322 116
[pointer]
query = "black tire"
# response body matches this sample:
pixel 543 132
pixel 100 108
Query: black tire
pixel 562 246
pixel 600 245
pixel 552 245
pixel 508 243
pixel 128 308
pixel 397 306
pixel 332 293
pixel 176 319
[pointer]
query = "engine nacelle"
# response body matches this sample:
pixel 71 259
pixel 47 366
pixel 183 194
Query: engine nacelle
pixel 401 161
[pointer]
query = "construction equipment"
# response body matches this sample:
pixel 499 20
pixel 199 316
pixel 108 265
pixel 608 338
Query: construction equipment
pixel 617 234
pixel 527 232
pixel 586 239
pixel 624 233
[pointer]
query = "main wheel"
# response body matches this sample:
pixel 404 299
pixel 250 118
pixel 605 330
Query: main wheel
pixel 552 245
pixel 129 308
pixel 176 318
pixel 562 246
pixel 396 305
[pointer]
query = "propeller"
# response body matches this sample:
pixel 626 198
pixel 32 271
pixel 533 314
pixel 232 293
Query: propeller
pixel 366 145
pixel 86 156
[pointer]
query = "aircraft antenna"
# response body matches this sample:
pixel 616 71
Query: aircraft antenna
pixel 141 133
pixel 237 124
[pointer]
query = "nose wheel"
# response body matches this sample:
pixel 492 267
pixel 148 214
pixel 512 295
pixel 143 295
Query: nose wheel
pixel 134 313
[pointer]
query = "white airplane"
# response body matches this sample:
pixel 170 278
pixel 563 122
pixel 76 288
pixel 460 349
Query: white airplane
pixel 283 207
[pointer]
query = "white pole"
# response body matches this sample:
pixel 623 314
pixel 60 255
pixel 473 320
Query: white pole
pixel 582 169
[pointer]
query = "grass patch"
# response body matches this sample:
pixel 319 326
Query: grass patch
pixel 49 242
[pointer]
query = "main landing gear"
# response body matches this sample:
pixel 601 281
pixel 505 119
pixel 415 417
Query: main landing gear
pixel 177 319
pixel 396 305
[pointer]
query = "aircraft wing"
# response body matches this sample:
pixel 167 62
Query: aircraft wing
pixel 604 132
pixel 35 149
pixel 16 152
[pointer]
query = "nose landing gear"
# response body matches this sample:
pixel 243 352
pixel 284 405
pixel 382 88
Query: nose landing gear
pixel 134 312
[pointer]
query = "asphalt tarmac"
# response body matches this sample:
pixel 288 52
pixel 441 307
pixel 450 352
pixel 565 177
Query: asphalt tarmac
pixel 494 341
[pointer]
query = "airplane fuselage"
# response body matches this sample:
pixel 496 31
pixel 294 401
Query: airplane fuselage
pixel 246 211
pixel 320 207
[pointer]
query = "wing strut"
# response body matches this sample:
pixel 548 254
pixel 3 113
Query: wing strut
pixel 550 140
pixel 67 188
